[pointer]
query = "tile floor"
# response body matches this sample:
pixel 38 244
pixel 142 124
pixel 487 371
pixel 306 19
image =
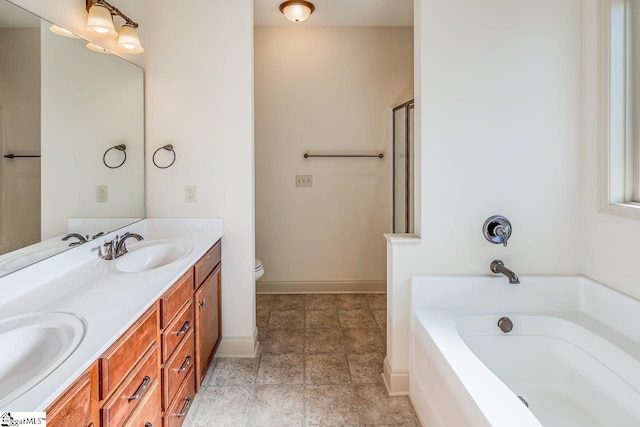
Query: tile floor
pixel 320 364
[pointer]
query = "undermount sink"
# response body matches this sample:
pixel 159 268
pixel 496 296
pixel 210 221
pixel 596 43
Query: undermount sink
pixel 145 256
pixel 33 346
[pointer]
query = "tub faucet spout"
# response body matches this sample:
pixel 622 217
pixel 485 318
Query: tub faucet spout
pixel 498 267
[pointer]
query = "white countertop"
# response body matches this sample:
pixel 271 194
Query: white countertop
pixel 78 282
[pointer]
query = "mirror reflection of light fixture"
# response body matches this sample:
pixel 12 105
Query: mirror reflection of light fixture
pixel 62 32
pixel 297 10
pixel 96 48
pixel 100 22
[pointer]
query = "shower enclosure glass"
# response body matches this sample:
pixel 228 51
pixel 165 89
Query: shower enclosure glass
pixel 403 168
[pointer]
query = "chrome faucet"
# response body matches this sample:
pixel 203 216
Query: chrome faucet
pixel 498 267
pixel 116 248
pixel 80 237
pixel 121 248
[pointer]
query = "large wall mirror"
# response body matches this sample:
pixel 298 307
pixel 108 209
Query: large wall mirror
pixel 63 107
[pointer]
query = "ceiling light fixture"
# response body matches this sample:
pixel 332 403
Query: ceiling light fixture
pixel 100 23
pixel 297 10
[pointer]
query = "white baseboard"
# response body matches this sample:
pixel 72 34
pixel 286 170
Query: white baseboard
pixel 239 346
pixel 396 382
pixel 334 287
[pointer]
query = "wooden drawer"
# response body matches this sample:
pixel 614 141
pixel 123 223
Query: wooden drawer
pixel 207 263
pixel 177 411
pixel 148 413
pixel 135 387
pixel 175 298
pixel 177 369
pixel 116 362
pixel 175 333
pixel 73 407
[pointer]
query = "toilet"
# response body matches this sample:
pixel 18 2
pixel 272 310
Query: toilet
pixel 259 269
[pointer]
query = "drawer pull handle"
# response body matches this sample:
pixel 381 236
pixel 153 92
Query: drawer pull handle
pixel 203 304
pixel 185 365
pixel 145 383
pixel 185 408
pixel 184 328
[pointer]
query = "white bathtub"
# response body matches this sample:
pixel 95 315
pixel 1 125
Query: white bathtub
pixel 573 353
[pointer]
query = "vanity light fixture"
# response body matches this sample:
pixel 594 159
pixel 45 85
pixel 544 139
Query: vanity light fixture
pixel 100 22
pixel 62 32
pixel 297 10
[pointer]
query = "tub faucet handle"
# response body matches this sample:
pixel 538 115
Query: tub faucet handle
pixel 502 233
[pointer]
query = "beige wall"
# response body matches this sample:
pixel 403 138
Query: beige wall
pixel 326 89
pixel 20 133
pixel 199 97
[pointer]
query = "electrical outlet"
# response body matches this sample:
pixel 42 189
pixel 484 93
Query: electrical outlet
pixel 190 193
pixel 303 181
pixel 102 193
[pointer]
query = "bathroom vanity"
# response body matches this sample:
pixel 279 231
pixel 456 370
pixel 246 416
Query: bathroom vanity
pixel 152 324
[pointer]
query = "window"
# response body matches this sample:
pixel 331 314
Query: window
pixel 620 112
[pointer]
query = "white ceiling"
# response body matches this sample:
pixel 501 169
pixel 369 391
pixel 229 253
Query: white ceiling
pixel 341 13
pixel 12 16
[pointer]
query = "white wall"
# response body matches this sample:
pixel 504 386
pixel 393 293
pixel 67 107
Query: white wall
pixel 199 97
pixel 326 89
pixel 611 243
pixel 96 103
pixel 20 104
pixel 72 15
pixel 499 112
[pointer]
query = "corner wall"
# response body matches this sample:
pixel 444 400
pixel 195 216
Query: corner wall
pixel 326 89
pixel 199 97
pixel 499 111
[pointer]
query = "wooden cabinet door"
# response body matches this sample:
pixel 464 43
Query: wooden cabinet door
pixel 73 407
pixel 207 306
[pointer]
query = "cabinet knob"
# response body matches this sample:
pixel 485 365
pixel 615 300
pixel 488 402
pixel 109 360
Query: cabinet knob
pixel 203 304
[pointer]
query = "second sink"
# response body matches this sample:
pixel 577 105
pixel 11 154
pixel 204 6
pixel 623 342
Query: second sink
pixel 151 254
pixel 33 346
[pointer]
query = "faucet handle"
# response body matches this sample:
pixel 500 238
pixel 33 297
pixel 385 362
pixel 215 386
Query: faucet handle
pixel 109 248
pixel 502 233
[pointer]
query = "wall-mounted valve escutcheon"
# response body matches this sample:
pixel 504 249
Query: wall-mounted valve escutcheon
pixel 497 229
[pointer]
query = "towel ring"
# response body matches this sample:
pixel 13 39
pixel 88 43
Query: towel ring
pixel 167 147
pixel 119 147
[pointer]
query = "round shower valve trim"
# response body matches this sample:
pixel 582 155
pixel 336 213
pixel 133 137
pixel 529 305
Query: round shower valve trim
pixel 497 229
